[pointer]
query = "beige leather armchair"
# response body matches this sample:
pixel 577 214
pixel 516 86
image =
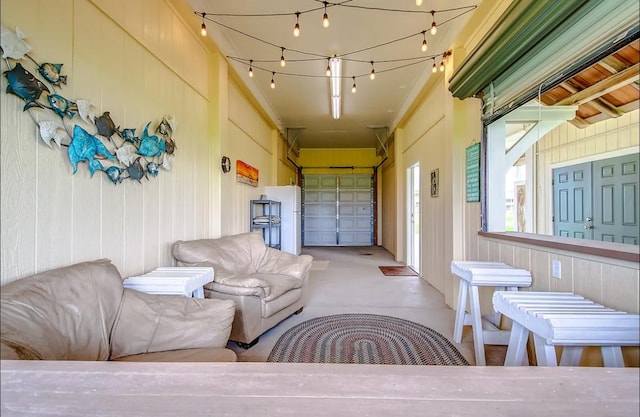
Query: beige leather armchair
pixel 82 312
pixel 266 284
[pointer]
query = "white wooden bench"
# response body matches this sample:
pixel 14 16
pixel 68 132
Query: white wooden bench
pixel 474 274
pixel 567 320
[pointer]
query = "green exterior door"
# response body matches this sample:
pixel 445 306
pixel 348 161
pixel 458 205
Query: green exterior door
pixel 616 200
pixel 572 215
pixel 598 200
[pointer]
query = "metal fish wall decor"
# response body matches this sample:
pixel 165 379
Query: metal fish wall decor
pixel 96 140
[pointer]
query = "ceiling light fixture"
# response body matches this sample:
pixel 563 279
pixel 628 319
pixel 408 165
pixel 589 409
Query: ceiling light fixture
pixel 418 2
pixel 325 18
pixel 434 68
pixel 328 67
pixel 296 28
pixel 336 85
pixel 283 63
pixel 273 83
pixel 203 28
pixel 424 41
pixel 353 87
pixel 373 72
pixel 434 27
pixel 251 68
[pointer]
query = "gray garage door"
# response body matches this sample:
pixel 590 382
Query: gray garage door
pixel 337 210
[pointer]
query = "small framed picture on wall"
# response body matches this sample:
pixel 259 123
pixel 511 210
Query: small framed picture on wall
pixel 435 182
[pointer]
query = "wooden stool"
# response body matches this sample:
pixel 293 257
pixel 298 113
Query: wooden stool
pixel 476 274
pixel 568 320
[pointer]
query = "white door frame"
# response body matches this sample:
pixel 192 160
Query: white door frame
pixel 413 217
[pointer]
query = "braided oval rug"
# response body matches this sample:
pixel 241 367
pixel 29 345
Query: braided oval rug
pixel 364 339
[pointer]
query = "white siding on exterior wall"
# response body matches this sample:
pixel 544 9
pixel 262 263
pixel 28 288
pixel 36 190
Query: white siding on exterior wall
pixel 569 145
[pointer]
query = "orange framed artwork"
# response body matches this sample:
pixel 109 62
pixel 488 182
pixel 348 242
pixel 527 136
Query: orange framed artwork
pixel 246 174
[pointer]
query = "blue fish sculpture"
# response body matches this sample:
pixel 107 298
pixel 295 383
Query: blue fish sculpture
pixel 61 106
pixel 25 85
pixel 129 135
pixel 114 174
pixel 152 169
pixel 136 171
pixel 85 147
pixel 51 72
pixel 150 146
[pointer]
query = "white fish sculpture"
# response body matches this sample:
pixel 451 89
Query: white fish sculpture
pixel 12 43
pixel 52 129
pixel 85 110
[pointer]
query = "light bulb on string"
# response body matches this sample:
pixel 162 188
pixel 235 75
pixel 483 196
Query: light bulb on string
pixel 251 68
pixel 442 65
pixel 325 17
pixel 424 41
pixel 418 2
pixel 296 28
pixel 283 63
pixel 203 27
pixel 273 83
pixel 353 87
pixel 373 72
pixel 434 68
pixel 434 27
pixel 328 67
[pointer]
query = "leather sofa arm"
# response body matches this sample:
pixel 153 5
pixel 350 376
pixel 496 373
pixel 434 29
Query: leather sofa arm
pixel 279 262
pixel 155 323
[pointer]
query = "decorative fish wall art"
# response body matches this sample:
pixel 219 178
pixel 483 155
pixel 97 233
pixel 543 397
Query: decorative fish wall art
pixel 72 124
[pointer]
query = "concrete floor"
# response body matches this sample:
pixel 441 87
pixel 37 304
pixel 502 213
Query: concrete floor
pixel 348 280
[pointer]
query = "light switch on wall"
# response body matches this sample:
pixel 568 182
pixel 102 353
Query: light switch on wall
pixel 556 269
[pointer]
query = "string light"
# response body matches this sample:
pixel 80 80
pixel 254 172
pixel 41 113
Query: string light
pixel 296 28
pixel 418 2
pixel 283 63
pixel 203 28
pixel 434 27
pixel 373 72
pixel 434 68
pixel 328 67
pixel 353 87
pixel 325 17
pixel 251 68
pixel 273 83
pixel 424 41
pixel 442 65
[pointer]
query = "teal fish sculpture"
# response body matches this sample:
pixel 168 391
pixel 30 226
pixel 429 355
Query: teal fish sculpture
pixel 152 169
pixel 84 147
pixel 150 146
pixel 114 174
pixel 51 72
pixel 129 135
pixel 61 106
pixel 25 85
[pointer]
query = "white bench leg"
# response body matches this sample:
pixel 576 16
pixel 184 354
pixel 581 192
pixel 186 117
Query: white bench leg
pixel 571 356
pixel 545 354
pixel 476 320
pixel 517 349
pixel 198 293
pixel 612 356
pixel 460 311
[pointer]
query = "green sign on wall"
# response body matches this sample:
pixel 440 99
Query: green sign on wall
pixel 473 173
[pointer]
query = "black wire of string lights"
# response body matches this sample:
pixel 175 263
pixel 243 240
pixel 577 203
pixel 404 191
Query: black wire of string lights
pixel 344 56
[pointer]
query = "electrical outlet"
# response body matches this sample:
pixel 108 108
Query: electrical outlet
pixel 556 269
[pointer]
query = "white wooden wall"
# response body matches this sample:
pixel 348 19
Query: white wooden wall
pixel 139 60
pixel 569 145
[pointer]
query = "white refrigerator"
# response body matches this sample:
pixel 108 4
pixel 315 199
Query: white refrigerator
pixel 290 216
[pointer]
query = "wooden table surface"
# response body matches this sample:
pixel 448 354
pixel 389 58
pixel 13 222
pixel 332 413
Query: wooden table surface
pixel 45 388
